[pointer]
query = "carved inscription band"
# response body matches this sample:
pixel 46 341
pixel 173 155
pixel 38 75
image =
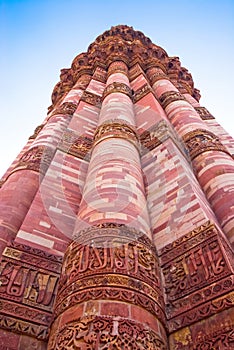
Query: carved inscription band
pixel 111 270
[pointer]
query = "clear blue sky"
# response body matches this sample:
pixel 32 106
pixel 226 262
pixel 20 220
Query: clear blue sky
pixel 38 38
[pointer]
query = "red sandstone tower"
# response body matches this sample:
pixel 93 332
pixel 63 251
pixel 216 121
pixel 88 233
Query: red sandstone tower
pixel 117 217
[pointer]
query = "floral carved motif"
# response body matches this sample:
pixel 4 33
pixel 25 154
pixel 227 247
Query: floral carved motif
pixel 204 113
pixel 116 128
pixel 170 96
pixel 199 141
pixel 117 87
pixel 96 332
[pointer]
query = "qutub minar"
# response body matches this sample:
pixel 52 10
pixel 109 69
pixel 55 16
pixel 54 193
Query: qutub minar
pixel 117 217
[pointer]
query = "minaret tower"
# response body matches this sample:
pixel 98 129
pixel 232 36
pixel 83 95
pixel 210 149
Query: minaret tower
pixel 117 217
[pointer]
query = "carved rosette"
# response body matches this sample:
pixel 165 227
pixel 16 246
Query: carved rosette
pixel 78 146
pixel 111 266
pixel 91 98
pixel 97 332
pixel 37 159
pixel 204 113
pixel 28 285
pixel 199 141
pixel 117 87
pixel 170 96
pixel 198 276
pixel 118 129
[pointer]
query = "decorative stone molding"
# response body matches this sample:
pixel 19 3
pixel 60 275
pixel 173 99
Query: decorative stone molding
pixel 141 92
pixel 117 67
pixel 170 96
pixel 91 98
pixel 117 87
pixel 37 158
pixel 28 285
pixel 204 113
pixel 100 75
pixel 100 332
pixel 198 276
pixel 78 146
pixel 19 326
pixel 118 129
pixel 111 266
pixel 199 141
pixel 157 134
pixel 67 108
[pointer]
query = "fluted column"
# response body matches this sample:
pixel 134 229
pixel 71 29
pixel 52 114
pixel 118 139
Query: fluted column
pixel 21 185
pixel 212 163
pixel 110 289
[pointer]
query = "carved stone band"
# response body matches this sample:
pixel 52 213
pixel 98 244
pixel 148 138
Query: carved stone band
pixel 126 272
pixel 140 93
pixel 197 276
pixel 37 158
pixel 91 98
pixel 199 141
pixel 204 113
pixel 78 146
pixel 65 108
pixel 170 96
pixel 117 87
pixel 157 76
pixel 116 129
pixel 101 332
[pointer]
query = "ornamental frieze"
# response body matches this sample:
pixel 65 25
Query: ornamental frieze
pixel 117 87
pixel 91 98
pixel 204 113
pixel 170 96
pixel 37 159
pixel 67 108
pixel 141 92
pixel 99 332
pixel 117 67
pixel 220 336
pixel 199 141
pixel 111 269
pixel 156 135
pixel 206 309
pixel 28 285
pixel 198 276
pixel 78 146
pixel 23 327
pixel 117 129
